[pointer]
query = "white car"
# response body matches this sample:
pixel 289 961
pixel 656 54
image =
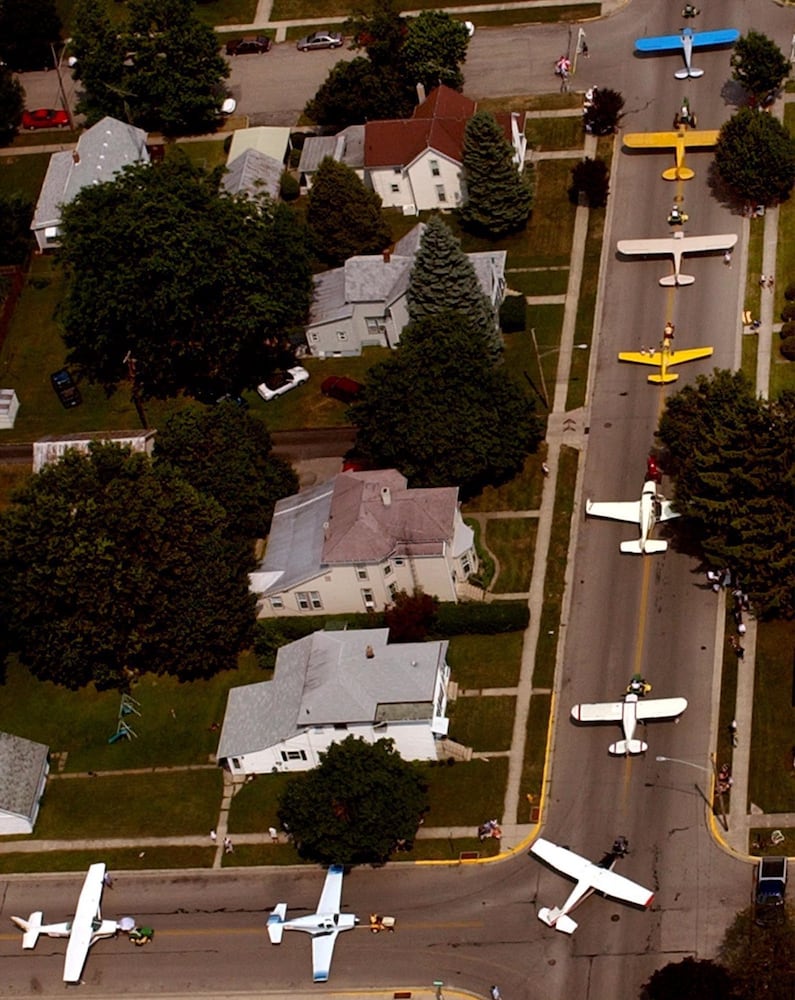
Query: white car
pixel 280 382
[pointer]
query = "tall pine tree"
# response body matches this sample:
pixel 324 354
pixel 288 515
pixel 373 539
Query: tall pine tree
pixel 443 280
pixel 344 217
pixel 499 198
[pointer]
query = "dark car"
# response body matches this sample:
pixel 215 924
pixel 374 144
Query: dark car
pixel 45 118
pixel 65 387
pixel 346 390
pixel 247 46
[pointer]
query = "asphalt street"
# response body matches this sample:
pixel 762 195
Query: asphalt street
pixel 471 927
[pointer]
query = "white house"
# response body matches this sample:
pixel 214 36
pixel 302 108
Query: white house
pixel 349 545
pixel 363 303
pixel 272 140
pixel 101 152
pixel 53 447
pixel 331 685
pixel 24 767
pixel 416 163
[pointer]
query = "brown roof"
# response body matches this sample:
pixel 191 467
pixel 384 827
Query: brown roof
pixel 438 123
pixel 373 516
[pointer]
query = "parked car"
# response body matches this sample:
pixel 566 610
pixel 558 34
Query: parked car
pixel 45 118
pixel 280 382
pixel 65 387
pixel 320 40
pixel 247 46
pixel 346 390
pixel 771 888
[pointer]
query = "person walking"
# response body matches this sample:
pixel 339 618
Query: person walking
pixel 213 836
pixel 228 846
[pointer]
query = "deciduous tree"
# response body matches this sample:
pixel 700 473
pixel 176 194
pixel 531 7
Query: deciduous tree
pixel 12 101
pixel 356 806
pixel 28 29
pixel 442 412
pixel 358 91
pixel 759 65
pixel 112 567
pixel 193 284
pixel 410 616
pixel 100 51
pixel 603 114
pixel 344 216
pixel 443 280
pixel 434 50
pixel 755 158
pixel 499 197
pixel 380 31
pixel 15 236
pixel 591 179
pixel 690 979
pixel 761 959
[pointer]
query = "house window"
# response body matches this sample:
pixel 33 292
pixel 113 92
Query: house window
pixel 368 598
pixel 342 335
pixel 397 170
pixel 293 755
pixel 361 573
pixel 277 602
pixel 235 762
pixel 340 725
pixel 435 171
pixel 302 600
pixel 387 569
pixel 315 598
pixel 399 562
pixel 375 326
pixel 440 192
pixel 395 188
pixel 314 337
pixel 392 590
pixel 466 565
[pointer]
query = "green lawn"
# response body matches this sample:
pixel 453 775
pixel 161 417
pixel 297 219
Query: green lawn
pixel 534 755
pixel 486 568
pixel 513 543
pixel 485 661
pixel 531 102
pixel 207 154
pixel 12 478
pixel 536 359
pixel 586 307
pixel 212 12
pixel 551 225
pixel 296 10
pixel 449 849
pixel 539 282
pixel 172 804
pixel 126 859
pixel 254 807
pixel 782 372
pixel 753 293
pixel 785 260
pixel 555 133
pixel 523 492
pixel 483 723
pixel 462 794
pixel 23 174
pixel 771 783
pixel 251 855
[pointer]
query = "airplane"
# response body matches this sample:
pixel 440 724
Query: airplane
pixel 629 712
pixel 664 358
pixel 324 926
pixel 591 877
pixel 677 245
pixel 679 141
pixel 83 930
pixel 686 41
pixel 645 512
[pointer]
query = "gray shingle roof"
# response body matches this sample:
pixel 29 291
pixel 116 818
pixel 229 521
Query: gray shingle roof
pixel 346 147
pixel 326 679
pixel 22 763
pixel 252 173
pixel 295 542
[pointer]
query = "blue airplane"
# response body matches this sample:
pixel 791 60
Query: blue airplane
pixel 686 41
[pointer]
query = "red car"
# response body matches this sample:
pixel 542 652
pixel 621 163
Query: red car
pixel 45 118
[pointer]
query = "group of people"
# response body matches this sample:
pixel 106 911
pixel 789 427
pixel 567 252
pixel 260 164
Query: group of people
pixel 766 281
pixel 491 828
pixel 725 780
pixel 689 11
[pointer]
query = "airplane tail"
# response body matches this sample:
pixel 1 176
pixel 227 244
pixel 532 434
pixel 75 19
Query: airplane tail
pixel 625 747
pixel 636 546
pixel 552 917
pixel 276 923
pixel 663 379
pixel 672 280
pixel 31 928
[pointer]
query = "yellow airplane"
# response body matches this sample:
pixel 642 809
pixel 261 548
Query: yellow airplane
pixel 678 141
pixel 665 357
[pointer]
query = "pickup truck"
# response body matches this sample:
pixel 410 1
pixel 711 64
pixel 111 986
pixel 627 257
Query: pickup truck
pixel 771 886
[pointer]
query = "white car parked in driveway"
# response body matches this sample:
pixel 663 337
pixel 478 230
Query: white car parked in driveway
pixel 280 382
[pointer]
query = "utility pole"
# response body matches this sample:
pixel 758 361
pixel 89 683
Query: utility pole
pixel 57 64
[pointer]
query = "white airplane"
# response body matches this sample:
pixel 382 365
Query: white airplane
pixel 591 877
pixel 645 512
pixel 324 926
pixel 676 245
pixel 686 41
pixel 86 927
pixel 629 712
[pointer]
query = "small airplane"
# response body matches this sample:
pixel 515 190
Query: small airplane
pixel 591 877
pixel 685 42
pixel 645 512
pixel 663 359
pixel 676 245
pixel 629 712
pixel 324 926
pixel 82 931
pixel 679 141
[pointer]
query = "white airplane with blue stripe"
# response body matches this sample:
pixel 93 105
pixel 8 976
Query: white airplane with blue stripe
pixel 324 926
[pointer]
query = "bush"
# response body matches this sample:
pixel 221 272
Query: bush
pixel 290 188
pixel 271 633
pixel 788 312
pixel 592 179
pixel 789 292
pixel 513 314
pixel 788 330
pixel 788 348
pixel 603 115
pixel 481 619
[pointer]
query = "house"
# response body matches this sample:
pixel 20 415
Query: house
pixel 272 140
pixel 351 544
pixel 416 164
pixel 24 766
pixel 101 152
pixel 253 173
pixel 331 685
pixel 346 147
pixel 53 447
pixel 363 303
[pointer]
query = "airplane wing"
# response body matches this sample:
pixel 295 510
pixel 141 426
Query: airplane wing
pixel 655 358
pixel 645 248
pixel 721 36
pixel 702 138
pixel 322 952
pixel 81 937
pixel 620 510
pixel 652 140
pixel 607 711
pixel 660 708
pixel 678 358
pixel 660 43
pixel 331 895
pixel 562 859
pixel 607 882
pixel 702 244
